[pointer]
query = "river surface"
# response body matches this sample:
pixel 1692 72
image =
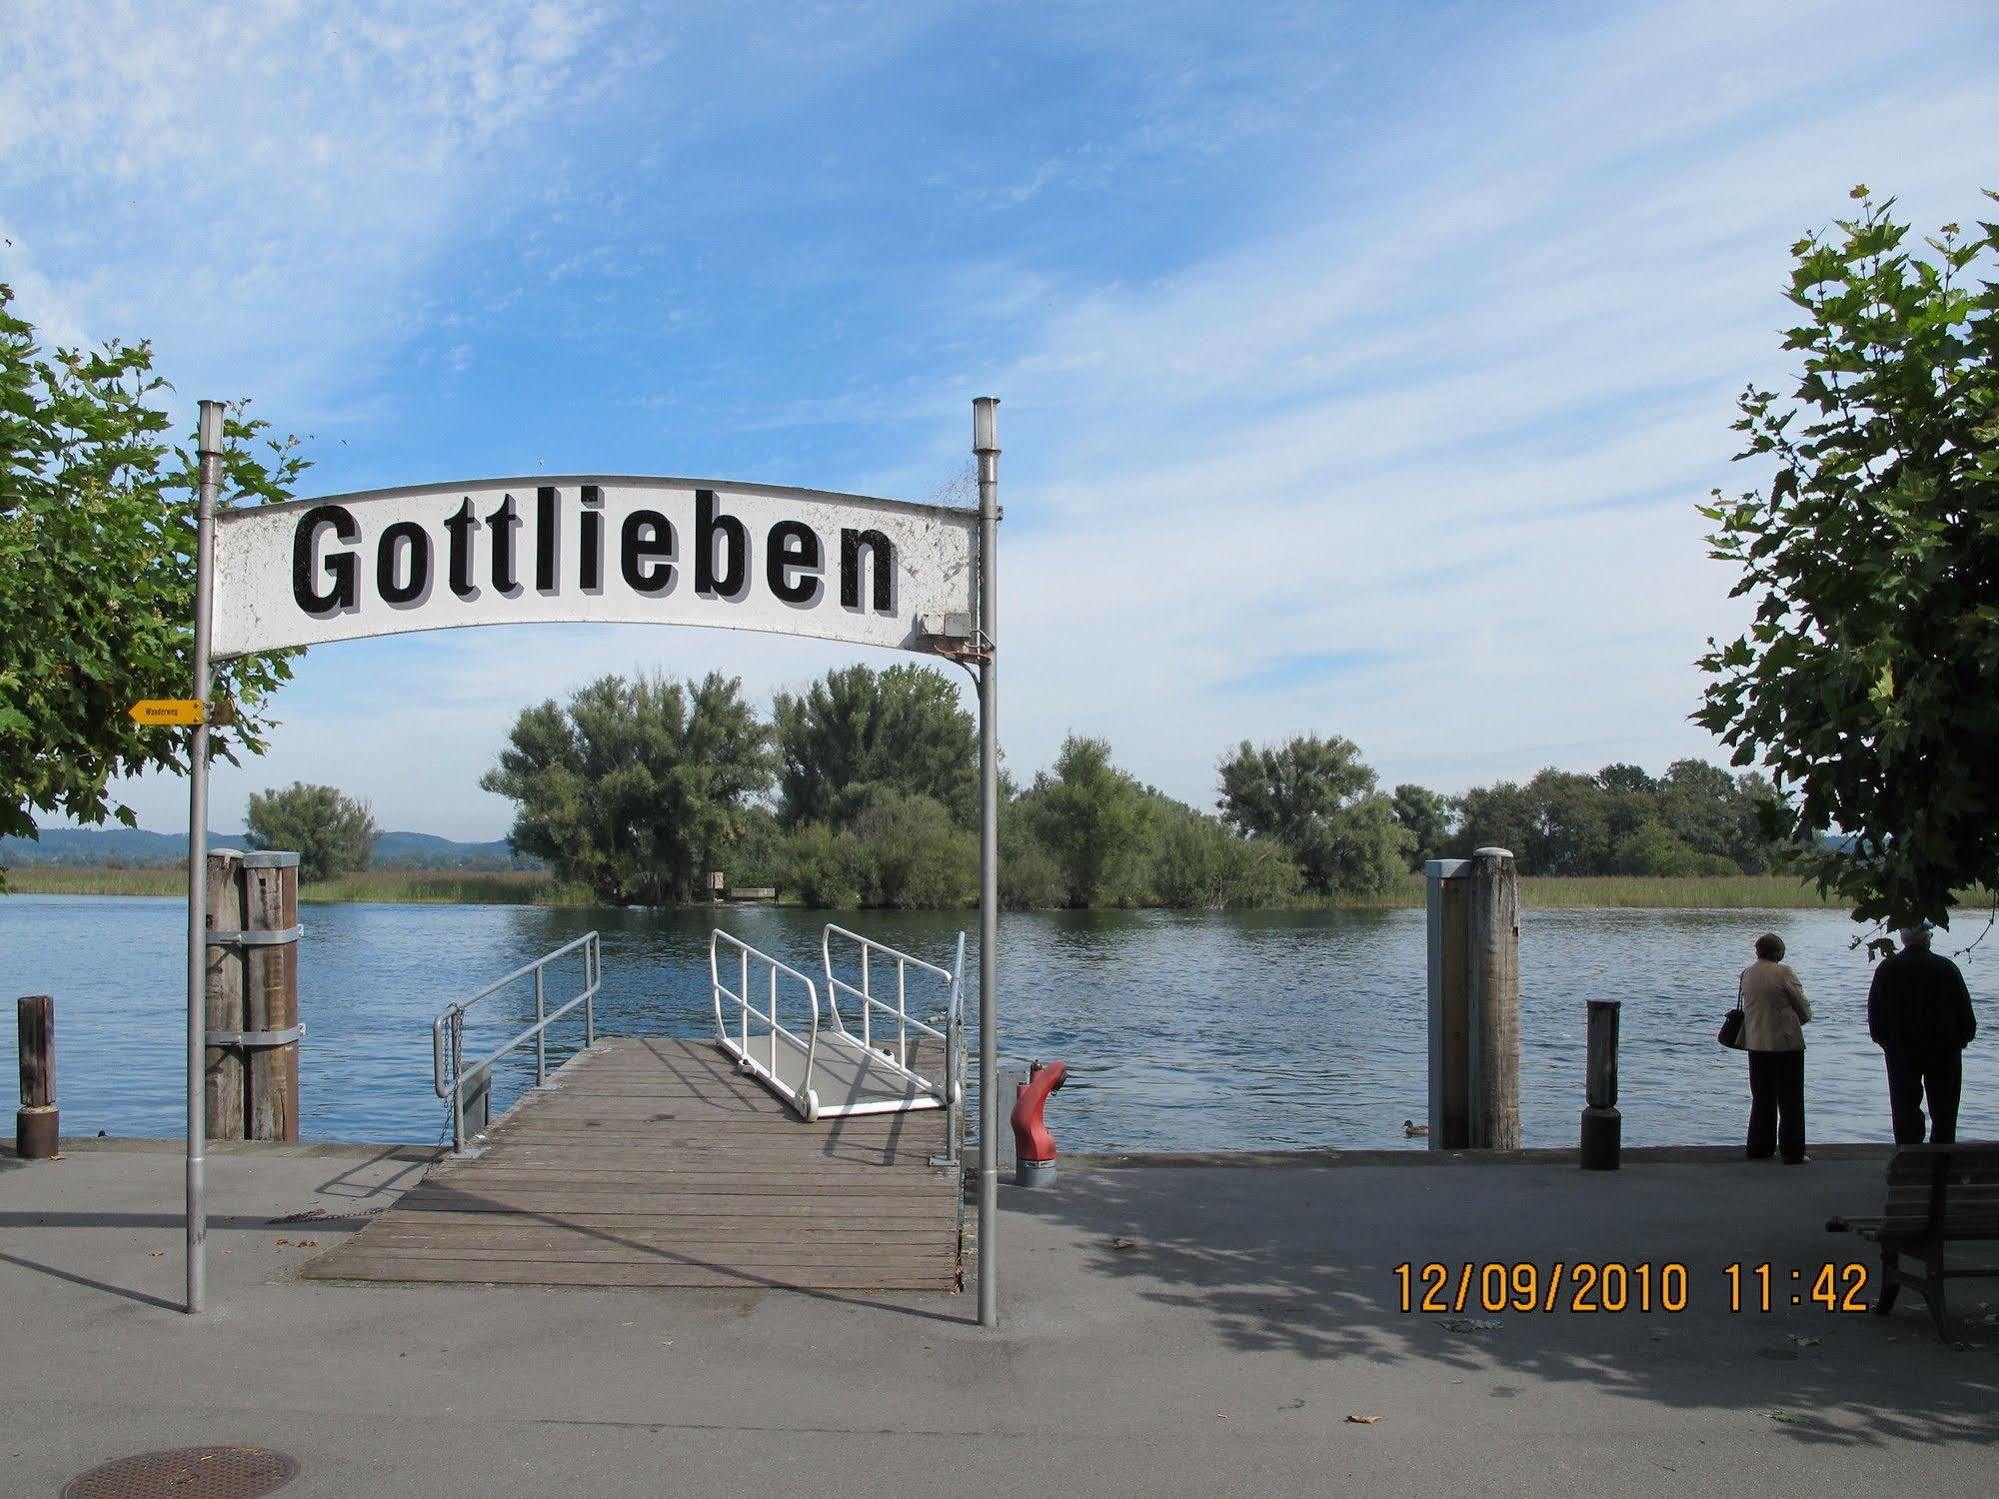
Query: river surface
pixel 1182 1031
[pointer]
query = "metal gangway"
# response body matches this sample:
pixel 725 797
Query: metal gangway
pixel 804 1046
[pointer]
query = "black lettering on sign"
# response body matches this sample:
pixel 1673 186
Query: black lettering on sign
pixel 878 549
pixel 460 525
pixel 795 562
pixel 709 526
pixel 504 523
pixel 648 535
pixel 408 538
pixel 344 595
pixel 590 566
pixel 545 523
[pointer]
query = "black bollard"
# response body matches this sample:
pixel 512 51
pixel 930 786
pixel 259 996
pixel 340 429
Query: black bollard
pixel 36 1127
pixel 1603 1126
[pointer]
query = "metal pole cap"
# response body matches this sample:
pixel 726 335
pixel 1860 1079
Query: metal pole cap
pixel 209 441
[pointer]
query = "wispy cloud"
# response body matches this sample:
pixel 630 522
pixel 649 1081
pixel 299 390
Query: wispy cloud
pixel 261 189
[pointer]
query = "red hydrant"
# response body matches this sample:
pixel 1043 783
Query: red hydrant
pixel 1034 1147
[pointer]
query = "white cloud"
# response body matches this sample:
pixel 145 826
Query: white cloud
pixel 1456 424
pixel 260 187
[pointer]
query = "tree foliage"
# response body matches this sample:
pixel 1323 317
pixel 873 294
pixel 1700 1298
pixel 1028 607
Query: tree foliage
pixel 97 576
pixel 1094 821
pixel 1426 817
pixel 1696 819
pixel 331 833
pixel 637 787
pixel 858 732
pixel 1200 864
pixel 1317 798
pixel 1869 680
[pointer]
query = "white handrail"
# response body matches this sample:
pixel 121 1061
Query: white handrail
pixel 804 1097
pixel 447 1031
pixel 951 1035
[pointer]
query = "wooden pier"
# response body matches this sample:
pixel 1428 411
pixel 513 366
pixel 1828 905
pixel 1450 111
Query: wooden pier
pixel 650 1161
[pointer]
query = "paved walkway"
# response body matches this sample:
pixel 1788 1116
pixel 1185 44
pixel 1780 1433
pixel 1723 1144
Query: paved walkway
pixel 1169 1331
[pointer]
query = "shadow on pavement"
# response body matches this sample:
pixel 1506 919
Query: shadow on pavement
pixel 1304 1262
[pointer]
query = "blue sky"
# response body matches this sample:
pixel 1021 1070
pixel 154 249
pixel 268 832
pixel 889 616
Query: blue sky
pixel 1361 365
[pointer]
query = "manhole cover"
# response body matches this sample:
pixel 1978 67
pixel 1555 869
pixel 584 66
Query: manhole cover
pixel 187 1473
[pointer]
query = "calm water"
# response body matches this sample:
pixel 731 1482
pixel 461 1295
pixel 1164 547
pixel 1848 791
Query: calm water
pixel 1181 1031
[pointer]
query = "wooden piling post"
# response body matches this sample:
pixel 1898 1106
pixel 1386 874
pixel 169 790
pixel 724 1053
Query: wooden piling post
pixel 1450 1007
pixel 1492 931
pixel 252 996
pixel 37 1123
pixel 1603 1126
pixel 270 899
pixel 225 1073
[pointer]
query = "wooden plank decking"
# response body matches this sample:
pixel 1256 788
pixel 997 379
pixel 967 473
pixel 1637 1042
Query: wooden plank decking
pixel 654 1162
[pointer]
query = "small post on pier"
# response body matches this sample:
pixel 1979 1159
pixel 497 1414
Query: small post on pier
pixel 37 1126
pixel 1450 1013
pixel 1603 1126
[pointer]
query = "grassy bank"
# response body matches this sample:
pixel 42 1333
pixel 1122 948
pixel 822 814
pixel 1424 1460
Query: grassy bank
pixel 1731 892
pixel 512 887
pixel 399 886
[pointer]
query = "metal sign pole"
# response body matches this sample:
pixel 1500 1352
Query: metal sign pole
pixel 208 447
pixel 985 443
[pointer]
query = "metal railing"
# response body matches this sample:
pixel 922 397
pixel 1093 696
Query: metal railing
pixel 952 1093
pixel 477 1078
pixel 743 1046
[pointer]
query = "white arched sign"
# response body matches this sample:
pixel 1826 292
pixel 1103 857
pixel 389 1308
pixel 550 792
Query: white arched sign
pixel 580 549
pixel 604 549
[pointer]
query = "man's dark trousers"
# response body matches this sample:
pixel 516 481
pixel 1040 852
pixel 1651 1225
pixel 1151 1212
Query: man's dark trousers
pixel 1913 1074
pixel 1777 1091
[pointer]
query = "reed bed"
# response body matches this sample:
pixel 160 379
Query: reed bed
pixel 437 887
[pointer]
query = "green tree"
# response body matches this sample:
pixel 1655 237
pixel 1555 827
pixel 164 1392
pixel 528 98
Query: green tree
pixel 1697 801
pixel 909 853
pixel 638 787
pixel 816 864
pixel 1317 798
pixel 331 833
pixel 1200 864
pixel 1631 779
pixel 1868 683
pixel 1569 828
pixel 97 577
pixel 1495 816
pixel 1426 817
pixel 1094 821
pixel 858 732
pixel 1029 877
pixel 1654 850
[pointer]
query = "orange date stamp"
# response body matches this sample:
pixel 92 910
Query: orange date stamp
pixel 1611 1286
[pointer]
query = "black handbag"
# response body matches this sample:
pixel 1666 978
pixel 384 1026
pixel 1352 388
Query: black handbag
pixel 1730 1034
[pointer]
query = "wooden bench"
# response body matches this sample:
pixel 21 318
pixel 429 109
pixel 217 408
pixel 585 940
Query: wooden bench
pixel 1937 1195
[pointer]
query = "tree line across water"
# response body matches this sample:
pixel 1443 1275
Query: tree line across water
pixel 863 790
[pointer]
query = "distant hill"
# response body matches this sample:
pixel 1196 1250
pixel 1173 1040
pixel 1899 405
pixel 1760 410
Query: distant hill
pixel 95 848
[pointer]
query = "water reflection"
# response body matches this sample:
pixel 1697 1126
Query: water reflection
pixel 1182 1031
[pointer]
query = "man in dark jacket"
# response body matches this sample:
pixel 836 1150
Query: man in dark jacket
pixel 1919 1014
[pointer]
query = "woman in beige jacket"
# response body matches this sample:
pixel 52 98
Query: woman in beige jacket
pixel 1774 1013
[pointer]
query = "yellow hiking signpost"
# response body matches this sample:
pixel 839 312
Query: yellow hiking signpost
pixel 168 710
